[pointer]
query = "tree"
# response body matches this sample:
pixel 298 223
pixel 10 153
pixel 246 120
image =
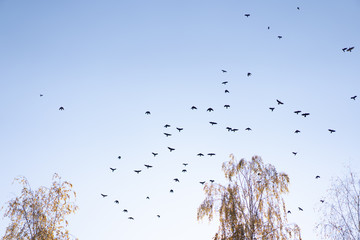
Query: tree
pixel 340 210
pixel 251 205
pixel 40 214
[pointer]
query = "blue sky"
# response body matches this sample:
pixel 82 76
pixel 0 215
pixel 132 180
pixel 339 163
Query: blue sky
pixel 107 62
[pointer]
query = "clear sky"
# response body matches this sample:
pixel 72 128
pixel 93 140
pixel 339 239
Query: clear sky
pixel 108 62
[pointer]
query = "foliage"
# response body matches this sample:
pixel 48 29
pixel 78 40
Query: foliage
pixel 40 214
pixel 340 211
pixel 250 206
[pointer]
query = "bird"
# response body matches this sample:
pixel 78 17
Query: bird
pixel 179 129
pixel 158 216
pixel 247 15
pixel 350 49
pixel 279 102
pixel 200 154
pixel 137 171
pixel 322 201
pixel 234 129
pixel 297 112
pixel 185 164
pixel 61 108
pixel 116 201
pixel 271 108
pixel 148 166
pixel 297 131
pixel 300 209
pixel 171 191
pixel 226 106
pixel 213 123
pixel 344 49
pixel 210 110
pixel 167 134
pixel 227 91
pixel 125 210
pixel 248 129
pixel 249 74
pixel 279 37
pixel 317 177
pixel 184 170
pixel 176 180
pixel 211 154
pixel 147 112
pixel 331 130
pixel 298 8
pixel 294 153
pixel 202 182
pixel 289 211
pixel 41 95
pixel 171 149
pixel 224 83
pixel 229 129
pixel 112 169
pixel 193 108
pixel 104 195
pixel 153 153
pixel 268 27
pixel 212 180
pixel 167 125
pixel 353 98
pixel 224 71
pixel 148 197
pixel 305 114
pixel 131 218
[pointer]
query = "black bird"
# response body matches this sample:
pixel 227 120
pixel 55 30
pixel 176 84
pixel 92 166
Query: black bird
pixel 61 108
pixel 344 49
pixel 125 210
pixel 184 170
pixel 158 216
pixel 289 211
pixel 279 37
pixel 202 182
pixel 331 130
pixel 227 91
pixel 41 95
pixel 179 129
pixel 116 201
pixel 322 201
pixel 200 154
pixel 234 129
pixel 224 71
pixel 193 108
pixel 298 8
pixel 112 169
pixel 167 125
pixel 305 114
pixel 229 129
pixel 147 113
pixel 176 180
pixel 148 166
pixel 212 180
pixel 268 27
pixel 249 74
pixel 154 154
pixel 279 102
pixel 167 134
pixel 350 49
pixel 224 82
pixel 148 197
pixel 210 110
pixel 104 195
pixel 185 164
pixel 271 108
pixel 297 112
pixel 247 15
pixel 317 177
pixel 137 171
pixel 171 191
pixel 213 123
pixel 131 218
pixel 353 98
pixel 300 209
pixel 226 106
pixel 171 149
pixel 297 131
pixel 248 129
pixel 294 153
pixel 211 154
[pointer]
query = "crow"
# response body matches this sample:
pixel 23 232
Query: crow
pixel 344 49
pixel 234 129
pixel 137 171
pixel 41 95
pixel 247 15
pixel 213 123
pixel 147 113
pixel 210 110
pixel 353 98
pixel 350 49
pixel 184 170
pixel 171 149
pixel 202 182
pixel 148 166
pixel 331 130
pixel 61 108
pixel 268 27
pixel 176 180
pixel 154 154
pixel 119 157
pixel 248 129
pixel 322 201
pixel 167 125
pixel 158 216
pixel 226 106
pixel 297 112
pixel 317 177
pixel 131 218
pixel 167 134
pixel 211 154
pixel 298 8
pixel 229 129
pixel 171 191
pixel 224 83
pixel 185 164
pixel 148 197
pixel 212 180
pixel 200 154
pixel 305 114
pixel 179 129
pixel 227 91
pixel 224 71
pixel 112 169
pixel 125 210
pixel 279 37
pixel 116 201
pixel 193 108
pixel 279 102
pixel 249 74
pixel 104 195
pixel 271 108
pixel 294 153
pixel 289 211
pixel 300 209
pixel 297 131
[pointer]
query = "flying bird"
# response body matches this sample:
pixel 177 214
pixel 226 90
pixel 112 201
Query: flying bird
pixel 210 110
pixel 171 191
pixel 248 129
pixel 200 154
pixel 147 113
pixel 271 108
pixel 300 209
pixel 229 129
pixel 353 98
pixel 184 170
pixel 268 27
pixel 202 182
pixel 234 129
pixel 154 154
pixel 297 131
pixel 179 129
pixel 297 112
pixel 167 125
pixel 289 211
pixel 211 154
pixel 158 216
pixel 148 197
pixel 171 149
pixel 247 15
pixel 344 49
pixel 227 91
pixel 212 180
pixel 350 49
pixel 322 201
pixel 112 169
pixel 331 130
pixel 148 166
pixel 185 164
pixel 116 201
pixel 125 210
pixel 305 114
pixel 176 180
pixel 224 71
pixel 137 171
pixel 131 218
pixel 279 102
pixel 226 106
pixel 193 108
pixel 41 95
pixel 167 134
pixel 279 37
pixel 61 108
pixel 224 83
pixel 213 123
pixel 294 153
pixel 317 177
pixel 249 74
pixel 104 195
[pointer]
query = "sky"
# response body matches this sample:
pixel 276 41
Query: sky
pixel 108 62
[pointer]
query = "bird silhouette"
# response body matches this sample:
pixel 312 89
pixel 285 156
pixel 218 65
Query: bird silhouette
pixel 224 71
pixel 353 98
pixel 185 164
pixel 300 209
pixel 229 129
pixel 289 211
pixel 317 177
pixel 210 110
pixel 167 125
pixel 171 191
pixel 125 210
pixel 279 102
pixel 322 201
pixel 131 218
pixel 155 154
pixel 61 108
pixel 247 15
pixel 179 129
pixel 226 106
pixel 297 131
pixel 331 130
pixel 193 108
pixel 41 95
pixel 279 37
pixel 212 180
pixel 147 112
pixel 224 83
pixel 171 149
pixel 112 169
pixel 137 171
pixel 350 49
pixel 158 216
pixel 167 134
pixel 294 153
pixel 305 114
pixel 344 49
pixel 227 91
pixel 211 154
pixel 297 112
pixel 268 27
pixel 202 182
pixel 248 129
pixel 148 166
pixel 116 201
pixel 234 129
pixel 148 197
pixel 184 170
pixel 176 180
pixel 104 195
pixel 298 8
pixel 248 74
pixel 200 154
pixel 271 108
pixel 213 123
